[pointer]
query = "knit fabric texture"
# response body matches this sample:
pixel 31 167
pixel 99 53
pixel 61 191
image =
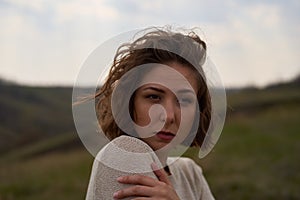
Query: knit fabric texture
pixel 127 155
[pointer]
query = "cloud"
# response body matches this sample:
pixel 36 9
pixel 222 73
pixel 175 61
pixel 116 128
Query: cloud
pixel 46 41
pixel 42 48
pixel 72 10
pixel 252 47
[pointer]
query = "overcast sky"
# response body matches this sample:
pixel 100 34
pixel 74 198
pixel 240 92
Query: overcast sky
pixel 45 42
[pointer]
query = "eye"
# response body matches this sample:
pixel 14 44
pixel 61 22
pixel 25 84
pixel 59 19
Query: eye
pixel 185 101
pixel 153 97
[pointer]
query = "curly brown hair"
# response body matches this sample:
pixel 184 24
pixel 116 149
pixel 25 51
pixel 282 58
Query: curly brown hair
pixel 162 46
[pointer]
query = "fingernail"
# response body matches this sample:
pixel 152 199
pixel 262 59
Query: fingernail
pixel 115 194
pixel 119 178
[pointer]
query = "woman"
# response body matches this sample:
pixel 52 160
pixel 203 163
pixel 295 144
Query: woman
pixel 154 100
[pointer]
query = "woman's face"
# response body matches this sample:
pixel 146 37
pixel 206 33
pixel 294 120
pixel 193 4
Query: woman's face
pixel 165 105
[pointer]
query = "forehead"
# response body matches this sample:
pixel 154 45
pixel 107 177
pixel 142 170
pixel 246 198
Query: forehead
pixel 174 76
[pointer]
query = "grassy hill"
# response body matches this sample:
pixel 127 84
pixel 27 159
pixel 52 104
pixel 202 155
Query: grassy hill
pixel 257 155
pixel 255 158
pixel 30 114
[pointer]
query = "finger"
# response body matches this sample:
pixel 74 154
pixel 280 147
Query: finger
pixel 138 180
pixel 138 191
pixel 160 173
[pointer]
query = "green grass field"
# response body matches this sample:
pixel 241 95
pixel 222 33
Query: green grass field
pixel 257 156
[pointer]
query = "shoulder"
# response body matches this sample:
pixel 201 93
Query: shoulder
pixel 126 153
pixel 123 145
pixel 122 156
pixel 185 164
pixel 127 143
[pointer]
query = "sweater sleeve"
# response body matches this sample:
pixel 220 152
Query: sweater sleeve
pixel 201 182
pixel 122 156
pixel 188 180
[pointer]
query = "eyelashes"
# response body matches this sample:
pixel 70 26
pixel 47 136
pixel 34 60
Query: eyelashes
pixel 153 97
pixel 156 98
pixel 186 101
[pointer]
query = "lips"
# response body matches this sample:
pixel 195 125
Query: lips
pixel 164 135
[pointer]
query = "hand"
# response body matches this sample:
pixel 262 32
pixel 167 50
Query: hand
pixel 147 188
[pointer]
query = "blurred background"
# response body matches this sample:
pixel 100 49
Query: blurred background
pixel 254 44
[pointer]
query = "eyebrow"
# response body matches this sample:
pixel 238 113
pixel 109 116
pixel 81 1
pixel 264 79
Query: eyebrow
pixel 162 91
pixel 186 91
pixel 154 88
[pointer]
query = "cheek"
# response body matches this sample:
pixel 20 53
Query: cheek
pixel 187 118
pixel 140 113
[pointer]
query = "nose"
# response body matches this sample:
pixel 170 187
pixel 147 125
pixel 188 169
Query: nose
pixel 170 115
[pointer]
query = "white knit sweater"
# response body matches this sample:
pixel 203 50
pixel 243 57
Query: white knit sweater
pixel 127 155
